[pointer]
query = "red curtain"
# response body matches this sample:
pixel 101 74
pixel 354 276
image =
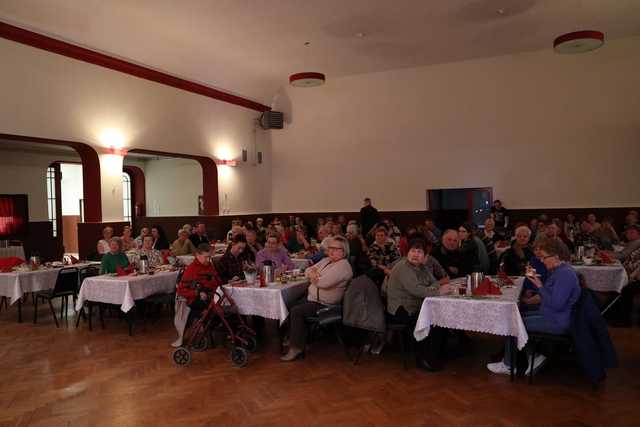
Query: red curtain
pixel 9 221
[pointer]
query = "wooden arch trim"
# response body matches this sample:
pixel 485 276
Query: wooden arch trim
pixel 91 184
pixel 139 189
pixel 211 204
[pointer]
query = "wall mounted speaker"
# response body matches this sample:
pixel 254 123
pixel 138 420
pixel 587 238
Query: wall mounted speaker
pixel 244 155
pixel 272 120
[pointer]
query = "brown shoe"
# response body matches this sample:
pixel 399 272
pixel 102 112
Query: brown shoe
pixel 292 354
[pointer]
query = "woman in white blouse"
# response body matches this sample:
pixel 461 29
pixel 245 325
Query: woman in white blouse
pixel 103 244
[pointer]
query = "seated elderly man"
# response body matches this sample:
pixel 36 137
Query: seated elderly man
pixel 329 279
pixel 552 232
pixel 632 234
pixel 409 283
pixel 253 246
pixel 114 258
pixel 154 257
pixel 448 254
pixel 103 244
pixel 586 236
pixel 182 245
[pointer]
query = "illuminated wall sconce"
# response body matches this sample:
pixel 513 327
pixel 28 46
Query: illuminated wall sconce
pixel 227 163
pixel 117 151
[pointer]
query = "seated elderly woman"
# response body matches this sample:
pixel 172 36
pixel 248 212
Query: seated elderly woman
pixel 559 293
pixel 154 258
pixel 469 250
pixel 128 242
pixel 358 256
pixel 516 258
pixel 382 253
pixel 103 244
pixel 189 297
pixel 182 245
pixel 409 283
pixel 114 258
pixel 329 279
pixel 275 253
pixel 160 241
pixel 230 265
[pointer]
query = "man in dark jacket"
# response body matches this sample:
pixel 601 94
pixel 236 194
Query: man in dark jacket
pixel 369 216
pixel 448 254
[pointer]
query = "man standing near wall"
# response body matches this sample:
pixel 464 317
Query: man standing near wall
pixel 369 216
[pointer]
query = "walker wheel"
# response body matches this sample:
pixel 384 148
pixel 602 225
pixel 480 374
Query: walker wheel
pixel 239 357
pixel 201 344
pixel 181 356
pixel 251 344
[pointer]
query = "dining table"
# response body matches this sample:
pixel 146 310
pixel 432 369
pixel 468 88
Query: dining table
pixel 491 314
pixel 23 279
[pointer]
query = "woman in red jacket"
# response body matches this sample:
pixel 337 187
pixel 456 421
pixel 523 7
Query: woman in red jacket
pixel 190 296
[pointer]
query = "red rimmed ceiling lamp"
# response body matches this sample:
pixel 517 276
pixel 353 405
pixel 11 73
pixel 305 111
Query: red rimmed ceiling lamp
pixel 578 42
pixel 307 78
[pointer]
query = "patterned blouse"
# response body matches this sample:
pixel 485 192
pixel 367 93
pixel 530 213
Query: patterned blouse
pixel 632 263
pixel 383 255
pixel 154 257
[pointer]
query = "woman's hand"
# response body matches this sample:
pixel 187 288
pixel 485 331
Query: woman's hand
pixel 313 275
pixel 534 279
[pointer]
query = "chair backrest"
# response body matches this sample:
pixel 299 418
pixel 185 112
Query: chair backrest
pixel 67 282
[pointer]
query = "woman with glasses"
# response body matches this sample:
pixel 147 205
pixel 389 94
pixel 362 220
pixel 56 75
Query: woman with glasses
pixel 329 279
pixel 558 294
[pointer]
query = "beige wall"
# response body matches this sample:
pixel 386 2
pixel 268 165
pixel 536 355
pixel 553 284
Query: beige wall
pixel 544 130
pixel 47 95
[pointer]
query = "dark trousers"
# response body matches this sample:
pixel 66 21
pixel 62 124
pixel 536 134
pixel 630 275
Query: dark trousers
pixel 430 348
pixel 625 307
pixel 300 309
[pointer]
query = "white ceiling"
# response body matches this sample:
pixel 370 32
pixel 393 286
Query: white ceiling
pixel 249 47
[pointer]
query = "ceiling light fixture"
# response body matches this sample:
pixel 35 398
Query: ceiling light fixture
pixel 307 78
pixel 579 41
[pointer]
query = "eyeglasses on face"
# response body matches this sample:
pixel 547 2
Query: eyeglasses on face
pixel 336 248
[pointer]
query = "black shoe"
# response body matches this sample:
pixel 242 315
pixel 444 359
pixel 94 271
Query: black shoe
pixel 426 366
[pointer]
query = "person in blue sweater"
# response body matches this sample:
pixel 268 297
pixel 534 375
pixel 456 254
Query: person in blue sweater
pixel 558 294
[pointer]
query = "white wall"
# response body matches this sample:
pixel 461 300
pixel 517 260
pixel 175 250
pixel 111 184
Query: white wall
pixel 544 130
pixel 26 173
pixel 48 95
pixel 71 188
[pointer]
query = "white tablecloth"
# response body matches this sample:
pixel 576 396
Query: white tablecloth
pixel 497 315
pixel 125 290
pixel 17 251
pixel 604 278
pixel 270 302
pixel 15 284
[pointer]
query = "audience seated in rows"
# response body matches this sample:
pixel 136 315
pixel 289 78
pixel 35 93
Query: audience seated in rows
pixel 200 235
pixel 128 242
pixel 160 241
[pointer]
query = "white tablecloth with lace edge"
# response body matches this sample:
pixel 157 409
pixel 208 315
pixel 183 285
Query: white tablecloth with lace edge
pixel 493 315
pixel 271 302
pixel 125 290
pixel 604 278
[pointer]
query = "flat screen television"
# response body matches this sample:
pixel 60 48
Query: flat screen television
pixel 14 215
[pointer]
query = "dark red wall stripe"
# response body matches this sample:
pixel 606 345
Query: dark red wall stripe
pixel 90 172
pixel 40 41
pixel 209 178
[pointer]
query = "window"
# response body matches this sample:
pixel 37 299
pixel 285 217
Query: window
pixel 126 196
pixel 51 199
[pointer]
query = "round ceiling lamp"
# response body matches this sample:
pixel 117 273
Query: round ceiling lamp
pixel 307 79
pixel 579 41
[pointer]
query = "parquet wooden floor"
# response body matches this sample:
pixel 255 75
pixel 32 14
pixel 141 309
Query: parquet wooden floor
pixel 74 378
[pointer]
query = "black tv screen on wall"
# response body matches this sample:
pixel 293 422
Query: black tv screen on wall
pixel 14 215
